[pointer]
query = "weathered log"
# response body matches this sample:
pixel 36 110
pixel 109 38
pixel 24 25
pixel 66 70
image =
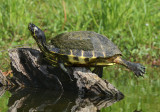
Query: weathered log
pixel 2 91
pixel 3 79
pixel 28 72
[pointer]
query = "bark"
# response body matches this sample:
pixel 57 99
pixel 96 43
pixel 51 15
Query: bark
pixel 3 79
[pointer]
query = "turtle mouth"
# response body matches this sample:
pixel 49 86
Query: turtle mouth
pixel 31 28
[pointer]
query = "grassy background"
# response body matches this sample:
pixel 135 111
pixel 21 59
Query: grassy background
pixel 133 25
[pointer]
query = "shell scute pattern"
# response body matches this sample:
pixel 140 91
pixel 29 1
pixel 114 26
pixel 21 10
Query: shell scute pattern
pixel 92 44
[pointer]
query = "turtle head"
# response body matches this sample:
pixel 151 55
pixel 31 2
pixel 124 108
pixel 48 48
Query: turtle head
pixel 37 33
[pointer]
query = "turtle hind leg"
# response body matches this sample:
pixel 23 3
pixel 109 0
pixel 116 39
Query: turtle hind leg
pixel 137 68
pixel 98 71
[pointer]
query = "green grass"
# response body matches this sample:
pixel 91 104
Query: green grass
pixel 133 25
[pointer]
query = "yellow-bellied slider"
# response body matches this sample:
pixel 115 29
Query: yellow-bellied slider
pixel 82 48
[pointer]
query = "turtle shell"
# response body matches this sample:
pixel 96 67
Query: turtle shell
pixel 84 44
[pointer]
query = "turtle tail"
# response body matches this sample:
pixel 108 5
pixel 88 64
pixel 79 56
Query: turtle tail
pixel 137 68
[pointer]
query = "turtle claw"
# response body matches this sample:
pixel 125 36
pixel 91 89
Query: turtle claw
pixel 138 69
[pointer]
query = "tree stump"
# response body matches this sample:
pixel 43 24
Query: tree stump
pixel 28 72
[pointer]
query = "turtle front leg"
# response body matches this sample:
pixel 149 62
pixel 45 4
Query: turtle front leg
pixel 137 68
pixel 61 65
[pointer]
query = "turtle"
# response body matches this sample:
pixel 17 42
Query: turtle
pixel 82 49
